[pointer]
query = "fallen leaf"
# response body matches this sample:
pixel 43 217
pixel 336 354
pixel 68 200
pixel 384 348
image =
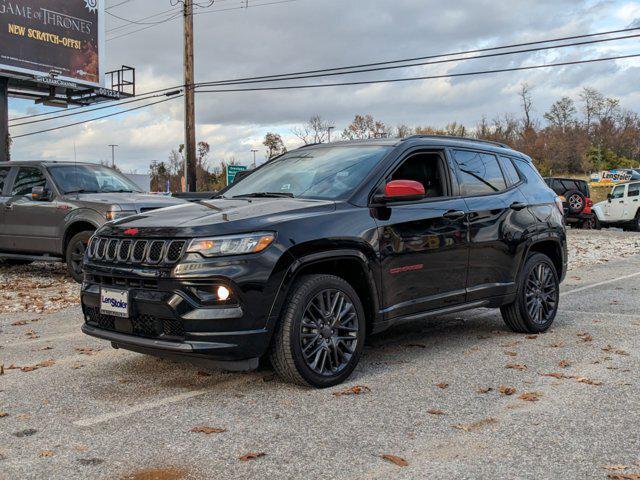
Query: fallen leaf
pixel 556 375
pixel 624 476
pixel 585 337
pixel 19 323
pixel 416 345
pixel 467 427
pixel 564 364
pixel 401 462
pixel 510 344
pixel 530 396
pixel 556 345
pixel 442 385
pixel 203 374
pixel 29 368
pixel 46 363
pixel 3 414
pixel 484 390
pixel 588 381
pixel 356 390
pixel 507 390
pixel 511 354
pixel 621 352
pixel 516 366
pixel 615 467
pixel 251 456
pixel 86 351
pixel 435 411
pixel 46 347
pixel 208 430
pixel 532 337
pixel 46 453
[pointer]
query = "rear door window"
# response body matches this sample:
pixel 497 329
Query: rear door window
pixel 510 173
pixel 634 190
pixel 478 173
pixel 26 180
pixel 4 173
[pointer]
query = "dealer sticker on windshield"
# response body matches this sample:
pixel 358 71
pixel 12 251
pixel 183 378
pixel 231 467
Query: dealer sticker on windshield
pixel 114 302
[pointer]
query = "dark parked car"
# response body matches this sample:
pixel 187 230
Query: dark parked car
pixel 576 201
pixel 325 245
pixel 49 210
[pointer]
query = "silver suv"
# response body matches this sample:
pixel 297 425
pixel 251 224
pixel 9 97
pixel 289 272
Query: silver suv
pixel 49 210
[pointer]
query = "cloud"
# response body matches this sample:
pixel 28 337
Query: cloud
pixel 306 35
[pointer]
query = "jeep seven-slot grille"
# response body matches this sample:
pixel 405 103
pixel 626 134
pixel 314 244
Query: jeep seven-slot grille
pixel 130 251
pixel 143 325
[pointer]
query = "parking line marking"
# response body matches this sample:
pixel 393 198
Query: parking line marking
pixel 599 284
pixel 89 422
pixel 611 314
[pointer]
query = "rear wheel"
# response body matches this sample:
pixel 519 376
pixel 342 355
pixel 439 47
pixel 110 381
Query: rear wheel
pixel 536 304
pixel 75 254
pixel 637 221
pixel 321 334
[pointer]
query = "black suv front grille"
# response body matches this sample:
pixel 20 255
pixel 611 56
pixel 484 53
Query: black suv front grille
pixel 148 326
pixel 126 250
pixel 113 281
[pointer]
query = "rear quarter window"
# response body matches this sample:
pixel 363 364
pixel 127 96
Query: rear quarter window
pixel 478 173
pixel 4 173
pixel 535 188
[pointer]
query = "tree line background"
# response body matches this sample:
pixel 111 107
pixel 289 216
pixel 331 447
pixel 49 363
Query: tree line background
pixel 576 136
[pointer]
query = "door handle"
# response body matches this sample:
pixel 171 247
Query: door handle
pixel 517 206
pixel 454 214
pixel 8 206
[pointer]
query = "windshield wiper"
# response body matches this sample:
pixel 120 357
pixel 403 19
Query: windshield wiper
pixel 82 190
pixel 266 195
pixel 121 191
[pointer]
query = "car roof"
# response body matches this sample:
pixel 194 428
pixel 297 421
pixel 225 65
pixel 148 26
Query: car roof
pixel 428 140
pixel 44 163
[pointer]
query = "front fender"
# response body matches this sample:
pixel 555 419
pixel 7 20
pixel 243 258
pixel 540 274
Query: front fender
pixel 598 209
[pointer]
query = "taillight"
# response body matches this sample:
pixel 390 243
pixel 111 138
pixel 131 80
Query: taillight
pixel 559 205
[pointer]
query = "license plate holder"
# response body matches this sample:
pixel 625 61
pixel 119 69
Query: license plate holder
pixel 114 302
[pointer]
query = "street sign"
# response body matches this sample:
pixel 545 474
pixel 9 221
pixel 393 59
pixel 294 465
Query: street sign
pixel 232 170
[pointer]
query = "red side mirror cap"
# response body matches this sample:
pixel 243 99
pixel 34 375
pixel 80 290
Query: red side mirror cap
pixel 404 188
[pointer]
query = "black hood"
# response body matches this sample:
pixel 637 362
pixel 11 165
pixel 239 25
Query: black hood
pixel 218 217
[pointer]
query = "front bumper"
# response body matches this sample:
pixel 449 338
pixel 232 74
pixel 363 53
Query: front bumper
pixel 165 321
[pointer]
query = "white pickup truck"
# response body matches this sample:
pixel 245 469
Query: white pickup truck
pixel 622 207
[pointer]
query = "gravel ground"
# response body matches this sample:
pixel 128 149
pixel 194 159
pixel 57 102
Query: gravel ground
pixel 453 397
pixel 45 287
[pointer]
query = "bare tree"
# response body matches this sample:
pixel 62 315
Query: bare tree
pixel 527 105
pixel 404 131
pixel 275 145
pixel 316 130
pixel 562 114
pixel 364 127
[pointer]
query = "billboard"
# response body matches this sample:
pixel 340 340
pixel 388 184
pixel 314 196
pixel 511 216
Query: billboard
pixel 60 42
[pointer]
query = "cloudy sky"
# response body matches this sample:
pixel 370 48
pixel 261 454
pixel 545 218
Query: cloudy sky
pixel 233 42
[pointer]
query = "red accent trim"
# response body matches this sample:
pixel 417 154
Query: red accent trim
pixel 407 268
pixel 403 188
pixel 587 206
pixel 131 231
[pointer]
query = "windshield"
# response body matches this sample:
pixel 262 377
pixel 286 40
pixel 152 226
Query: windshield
pixel 327 173
pixel 90 179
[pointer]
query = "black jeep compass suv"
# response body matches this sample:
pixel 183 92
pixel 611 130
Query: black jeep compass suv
pixel 317 249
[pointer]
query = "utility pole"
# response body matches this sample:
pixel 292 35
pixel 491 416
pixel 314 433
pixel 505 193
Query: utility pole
pixel 4 120
pixel 113 155
pixel 189 101
pixel 329 131
pixel 254 157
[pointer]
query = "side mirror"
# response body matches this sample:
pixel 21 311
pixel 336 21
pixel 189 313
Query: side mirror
pixel 401 191
pixel 40 194
pixel 609 197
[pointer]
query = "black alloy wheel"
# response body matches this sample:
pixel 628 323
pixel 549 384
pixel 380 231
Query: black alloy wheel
pixel 537 297
pixel 320 336
pixel 329 332
pixel 541 294
pixel 75 255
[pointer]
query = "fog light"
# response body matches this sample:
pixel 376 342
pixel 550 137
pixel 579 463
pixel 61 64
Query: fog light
pixel 223 293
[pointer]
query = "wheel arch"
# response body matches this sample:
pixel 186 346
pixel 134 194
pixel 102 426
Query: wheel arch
pixel 552 248
pixel 75 228
pixel 350 265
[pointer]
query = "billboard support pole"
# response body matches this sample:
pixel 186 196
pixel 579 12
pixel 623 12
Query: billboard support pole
pixel 189 101
pixel 4 120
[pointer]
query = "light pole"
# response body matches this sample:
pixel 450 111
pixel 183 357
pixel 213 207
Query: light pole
pixel 113 155
pixel 329 131
pixel 254 157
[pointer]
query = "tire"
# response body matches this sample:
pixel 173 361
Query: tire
pixel 295 343
pixel 637 222
pixel 522 317
pixel 74 254
pixel 597 225
pixel 591 223
pixel 576 201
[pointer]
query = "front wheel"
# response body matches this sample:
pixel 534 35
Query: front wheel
pixel 321 333
pixel 536 304
pixel 75 254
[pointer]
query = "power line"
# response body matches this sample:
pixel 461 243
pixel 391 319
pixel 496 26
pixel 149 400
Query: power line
pixel 293 76
pixel 428 77
pixel 133 22
pixel 436 62
pixel 117 5
pixel 96 118
pixel 134 100
pixel 430 57
pixel 244 8
pixel 136 22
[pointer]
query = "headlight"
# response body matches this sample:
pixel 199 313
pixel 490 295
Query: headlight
pixel 120 214
pixel 231 245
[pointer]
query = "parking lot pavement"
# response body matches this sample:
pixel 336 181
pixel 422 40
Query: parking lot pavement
pixel 433 398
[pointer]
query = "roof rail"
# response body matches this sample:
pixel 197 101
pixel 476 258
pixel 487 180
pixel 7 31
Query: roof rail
pixel 478 140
